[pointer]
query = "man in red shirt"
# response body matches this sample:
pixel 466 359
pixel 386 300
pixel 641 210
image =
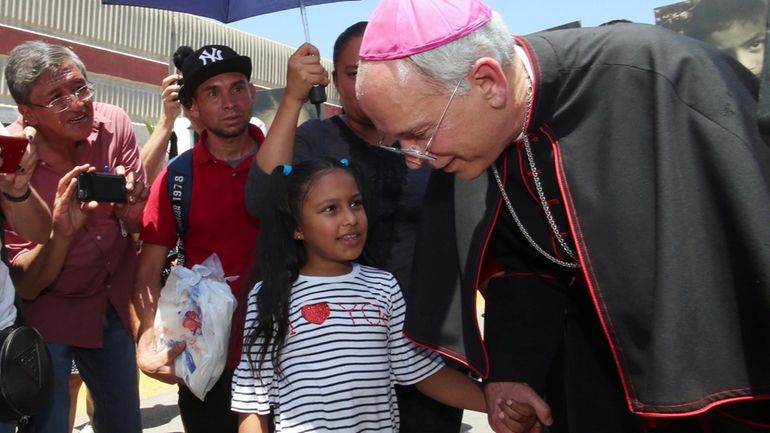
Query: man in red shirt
pixel 218 93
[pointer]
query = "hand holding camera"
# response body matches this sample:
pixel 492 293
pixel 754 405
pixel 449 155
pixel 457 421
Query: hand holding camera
pixel 11 151
pixel 17 162
pixel 137 192
pixel 101 187
pixel 83 188
pixel 68 213
pixel 171 86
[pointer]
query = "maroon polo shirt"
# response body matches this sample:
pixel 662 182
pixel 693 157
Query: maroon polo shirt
pixel 101 262
pixel 217 223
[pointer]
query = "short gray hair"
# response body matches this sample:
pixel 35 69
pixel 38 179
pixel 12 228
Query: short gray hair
pixel 32 59
pixel 444 66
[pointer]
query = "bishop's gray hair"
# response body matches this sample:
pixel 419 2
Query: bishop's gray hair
pixel 444 66
pixel 31 60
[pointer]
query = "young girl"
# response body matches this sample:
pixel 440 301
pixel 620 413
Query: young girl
pixel 323 338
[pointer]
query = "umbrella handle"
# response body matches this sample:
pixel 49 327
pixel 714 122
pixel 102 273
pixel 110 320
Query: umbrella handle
pixel 318 97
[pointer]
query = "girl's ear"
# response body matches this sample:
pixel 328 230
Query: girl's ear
pixel 298 234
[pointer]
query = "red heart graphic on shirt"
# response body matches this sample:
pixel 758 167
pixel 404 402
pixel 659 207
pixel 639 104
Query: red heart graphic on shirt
pixel 316 313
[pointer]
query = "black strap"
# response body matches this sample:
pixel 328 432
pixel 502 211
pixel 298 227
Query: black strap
pixel 179 184
pixel 19 310
pixel 763 108
pixel 173 150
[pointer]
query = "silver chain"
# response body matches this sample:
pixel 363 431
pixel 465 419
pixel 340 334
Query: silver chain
pixel 544 202
pixel 540 194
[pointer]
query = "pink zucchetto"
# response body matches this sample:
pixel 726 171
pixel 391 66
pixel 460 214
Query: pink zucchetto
pixel 401 28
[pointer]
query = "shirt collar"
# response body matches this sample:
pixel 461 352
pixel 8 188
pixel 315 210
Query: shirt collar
pixel 201 153
pixel 100 122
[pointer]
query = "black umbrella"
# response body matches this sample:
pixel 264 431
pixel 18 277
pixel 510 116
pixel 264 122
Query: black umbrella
pixel 228 11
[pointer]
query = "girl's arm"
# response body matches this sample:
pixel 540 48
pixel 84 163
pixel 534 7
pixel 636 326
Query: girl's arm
pixel 453 388
pixel 252 423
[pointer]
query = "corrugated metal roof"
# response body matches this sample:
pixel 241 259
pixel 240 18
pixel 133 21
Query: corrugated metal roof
pixel 146 33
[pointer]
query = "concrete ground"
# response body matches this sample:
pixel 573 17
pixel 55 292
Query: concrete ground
pixel 160 414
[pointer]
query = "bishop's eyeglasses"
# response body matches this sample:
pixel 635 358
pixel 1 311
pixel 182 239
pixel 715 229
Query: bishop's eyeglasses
pixel 423 154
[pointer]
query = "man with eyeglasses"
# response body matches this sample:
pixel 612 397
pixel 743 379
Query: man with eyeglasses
pixel 77 285
pixel 611 200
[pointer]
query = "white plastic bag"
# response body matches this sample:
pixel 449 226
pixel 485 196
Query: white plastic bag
pixel 196 306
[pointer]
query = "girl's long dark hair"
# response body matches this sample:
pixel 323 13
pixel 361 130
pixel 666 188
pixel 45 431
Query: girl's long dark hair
pixel 280 257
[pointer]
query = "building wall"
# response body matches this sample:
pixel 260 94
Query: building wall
pixel 127 50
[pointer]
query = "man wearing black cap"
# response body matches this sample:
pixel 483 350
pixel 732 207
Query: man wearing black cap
pixel 217 92
pixel 177 130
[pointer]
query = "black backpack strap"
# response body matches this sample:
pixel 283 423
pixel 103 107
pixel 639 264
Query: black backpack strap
pixel 173 150
pixel 179 183
pixel 19 310
pixel 763 107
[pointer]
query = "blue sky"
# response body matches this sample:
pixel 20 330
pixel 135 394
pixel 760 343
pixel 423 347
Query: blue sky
pixel 522 17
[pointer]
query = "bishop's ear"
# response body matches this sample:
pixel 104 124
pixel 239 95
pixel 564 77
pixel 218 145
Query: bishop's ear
pixel 489 78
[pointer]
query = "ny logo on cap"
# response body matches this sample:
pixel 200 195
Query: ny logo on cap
pixel 213 56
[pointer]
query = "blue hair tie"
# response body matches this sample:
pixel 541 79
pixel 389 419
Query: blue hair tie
pixel 287 169
pixel 344 161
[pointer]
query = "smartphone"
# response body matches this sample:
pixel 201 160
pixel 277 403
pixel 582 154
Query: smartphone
pixel 184 99
pixel 102 187
pixel 11 150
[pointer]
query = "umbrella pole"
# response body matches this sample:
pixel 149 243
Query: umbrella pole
pixel 317 93
pixel 304 20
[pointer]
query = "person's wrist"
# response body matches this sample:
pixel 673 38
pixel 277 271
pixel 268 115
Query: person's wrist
pixel 294 103
pixel 167 121
pixel 130 224
pixel 18 198
pixel 59 238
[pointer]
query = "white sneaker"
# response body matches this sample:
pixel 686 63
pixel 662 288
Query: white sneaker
pixel 87 428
